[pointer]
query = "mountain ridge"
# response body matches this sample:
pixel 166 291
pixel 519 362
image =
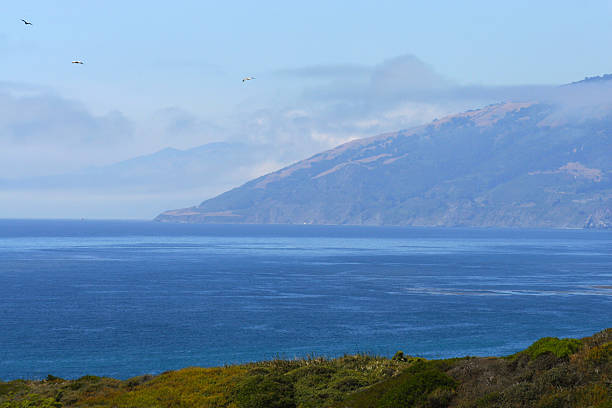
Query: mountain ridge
pixel 511 164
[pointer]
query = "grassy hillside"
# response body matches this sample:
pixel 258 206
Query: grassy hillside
pixel 551 373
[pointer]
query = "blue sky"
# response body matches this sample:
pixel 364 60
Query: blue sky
pixel 151 53
pixel 160 73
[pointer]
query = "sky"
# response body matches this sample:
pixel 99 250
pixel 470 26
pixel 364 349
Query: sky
pixel 168 74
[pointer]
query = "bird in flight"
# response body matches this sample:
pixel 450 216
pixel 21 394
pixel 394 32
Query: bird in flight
pixel 247 79
pixel 26 22
pixel 78 62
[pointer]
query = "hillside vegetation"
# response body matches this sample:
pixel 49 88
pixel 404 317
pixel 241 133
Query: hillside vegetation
pixel 551 373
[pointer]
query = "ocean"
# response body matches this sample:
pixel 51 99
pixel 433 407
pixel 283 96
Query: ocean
pixel 125 298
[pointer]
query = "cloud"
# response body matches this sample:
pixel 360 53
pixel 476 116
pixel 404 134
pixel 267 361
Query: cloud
pixel 178 127
pixel 405 79
pixel 351 101
pixel 405 74
pixel 354 101
pixel 33 115
pixel 42 132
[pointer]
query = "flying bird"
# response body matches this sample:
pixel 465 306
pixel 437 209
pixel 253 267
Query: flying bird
pixel 247 79
pixel 26 22
pixel 78 62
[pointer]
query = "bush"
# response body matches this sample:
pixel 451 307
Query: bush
pixel 559 377
pixel 492 399
pixel 561 348
pixel 399 356
pixel 440 397
pixel 136 381
pixel 265 392
pixel 348 384
pixel 85 382
pixel 423 386
pixel 556 400
pixel 52 378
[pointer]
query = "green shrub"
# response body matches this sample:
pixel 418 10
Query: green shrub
pixel 265 392
pixel 423 385
pixel 492 399
pixel 136 381
pixel 561 376
pixel 12 387
pixel 399 356
pixel 561 348
pixel 348 384
pixel 556 400
pixel 522 394
pixel 440 397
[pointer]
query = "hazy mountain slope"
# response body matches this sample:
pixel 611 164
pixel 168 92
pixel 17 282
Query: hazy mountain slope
pixel 140 187
pixel 208 166
pixel 514 165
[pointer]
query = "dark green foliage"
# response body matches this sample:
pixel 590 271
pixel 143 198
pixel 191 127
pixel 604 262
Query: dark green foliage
pixel 265 392
pixel 136 381
pixel 399 356
pixel 525 393
pixel 422 385
pixel 53 378
pixel 440 397
pixel 12 387
pixel 348 384
pixel 562 376
pixel 490 400
pixel 555 400
pixel 85 382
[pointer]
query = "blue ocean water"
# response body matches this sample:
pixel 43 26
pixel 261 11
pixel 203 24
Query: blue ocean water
pixel 124 298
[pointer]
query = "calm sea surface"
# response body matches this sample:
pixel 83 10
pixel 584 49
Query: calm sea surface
pixel 123 298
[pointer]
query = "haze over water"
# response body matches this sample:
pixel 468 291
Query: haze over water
pixel 117 298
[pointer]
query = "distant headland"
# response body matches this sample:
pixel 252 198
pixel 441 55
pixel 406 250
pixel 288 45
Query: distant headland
pixel 525 165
